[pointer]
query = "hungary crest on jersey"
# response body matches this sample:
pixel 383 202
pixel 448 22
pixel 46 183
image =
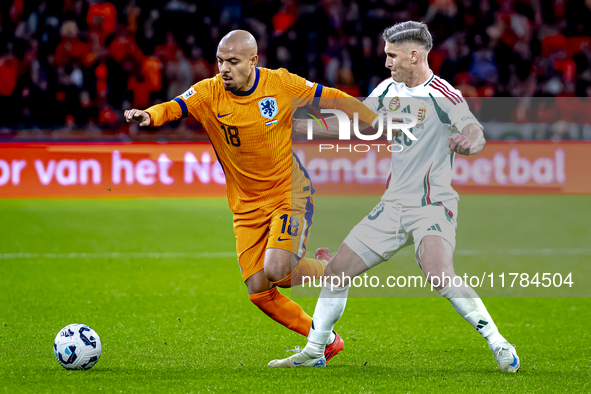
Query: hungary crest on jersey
pixel 421 115
pixel 394 104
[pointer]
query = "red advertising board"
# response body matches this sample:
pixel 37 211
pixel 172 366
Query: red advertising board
pixel 107 170
pixel 540 167
pixel 191 169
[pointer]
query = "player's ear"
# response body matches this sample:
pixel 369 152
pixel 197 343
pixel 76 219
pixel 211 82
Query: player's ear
pixel 414 56
pixel 254 60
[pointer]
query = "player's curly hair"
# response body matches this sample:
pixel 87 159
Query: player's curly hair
pixel 410 31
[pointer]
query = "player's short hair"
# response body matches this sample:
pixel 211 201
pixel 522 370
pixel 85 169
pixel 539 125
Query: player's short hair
pixel 416 32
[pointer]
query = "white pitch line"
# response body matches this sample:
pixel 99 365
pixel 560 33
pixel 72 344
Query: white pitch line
pixel 221 255
pixel 518 252
pixel 117 255
pixel 514 252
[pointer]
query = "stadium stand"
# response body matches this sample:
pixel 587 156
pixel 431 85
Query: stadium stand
pixel 75 65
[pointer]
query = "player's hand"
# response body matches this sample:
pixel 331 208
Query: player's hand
pixel 458 143
pixel 138 115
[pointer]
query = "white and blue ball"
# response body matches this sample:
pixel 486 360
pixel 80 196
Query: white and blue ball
pixel 77 346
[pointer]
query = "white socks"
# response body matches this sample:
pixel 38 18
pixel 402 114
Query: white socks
pixel 331 304
pixel 331 338
pixel 468 305
pixel 329 309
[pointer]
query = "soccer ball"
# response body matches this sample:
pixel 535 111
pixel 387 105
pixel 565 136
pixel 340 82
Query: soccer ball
pixel 77 346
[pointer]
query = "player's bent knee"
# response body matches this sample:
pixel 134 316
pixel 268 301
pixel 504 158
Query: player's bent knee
pixel 328 271
pixel 275 272
pixel 278 264
pixel 258 283
pixel 345 264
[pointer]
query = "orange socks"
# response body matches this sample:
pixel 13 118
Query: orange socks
pixel 311 268
pixel 279 307
pixel 283 310
pixel 307 267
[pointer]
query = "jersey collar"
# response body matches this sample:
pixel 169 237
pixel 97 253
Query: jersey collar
pixel 421 85
pixel 249 92
pixel 430 79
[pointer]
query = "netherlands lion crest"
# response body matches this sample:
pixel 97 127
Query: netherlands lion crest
pixel 394 104
pixel 268 107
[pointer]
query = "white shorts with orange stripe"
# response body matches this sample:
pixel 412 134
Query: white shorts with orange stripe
pixel 390 227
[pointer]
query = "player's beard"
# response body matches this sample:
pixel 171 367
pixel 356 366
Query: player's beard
pixel 229 88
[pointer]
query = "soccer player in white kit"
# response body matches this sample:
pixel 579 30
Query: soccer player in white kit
pixel 419 205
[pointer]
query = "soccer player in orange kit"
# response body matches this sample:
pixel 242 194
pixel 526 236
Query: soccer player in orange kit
pixel 246 112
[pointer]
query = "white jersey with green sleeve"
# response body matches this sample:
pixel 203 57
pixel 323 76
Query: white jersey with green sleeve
pixel 421 173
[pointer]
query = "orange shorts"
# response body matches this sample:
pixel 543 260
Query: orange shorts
pixel 284 225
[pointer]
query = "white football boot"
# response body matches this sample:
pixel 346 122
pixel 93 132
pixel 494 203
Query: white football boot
pixel 506 357
pixel 300 359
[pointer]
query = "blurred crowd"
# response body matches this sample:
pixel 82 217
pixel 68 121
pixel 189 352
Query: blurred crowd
pixel 81 62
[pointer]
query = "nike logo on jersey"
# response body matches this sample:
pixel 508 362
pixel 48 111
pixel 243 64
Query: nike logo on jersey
pixel 283 239
pixel 221 116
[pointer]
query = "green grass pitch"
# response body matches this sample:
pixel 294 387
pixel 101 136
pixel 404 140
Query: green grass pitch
pixel 159 281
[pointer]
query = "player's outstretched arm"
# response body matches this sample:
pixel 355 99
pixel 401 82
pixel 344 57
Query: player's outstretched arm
pixel 469 142
pixel 137 115
pixel 157 114
pixel 300 126
pixel 334 98
pixel 307 93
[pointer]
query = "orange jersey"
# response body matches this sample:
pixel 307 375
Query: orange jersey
pixel 251 133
